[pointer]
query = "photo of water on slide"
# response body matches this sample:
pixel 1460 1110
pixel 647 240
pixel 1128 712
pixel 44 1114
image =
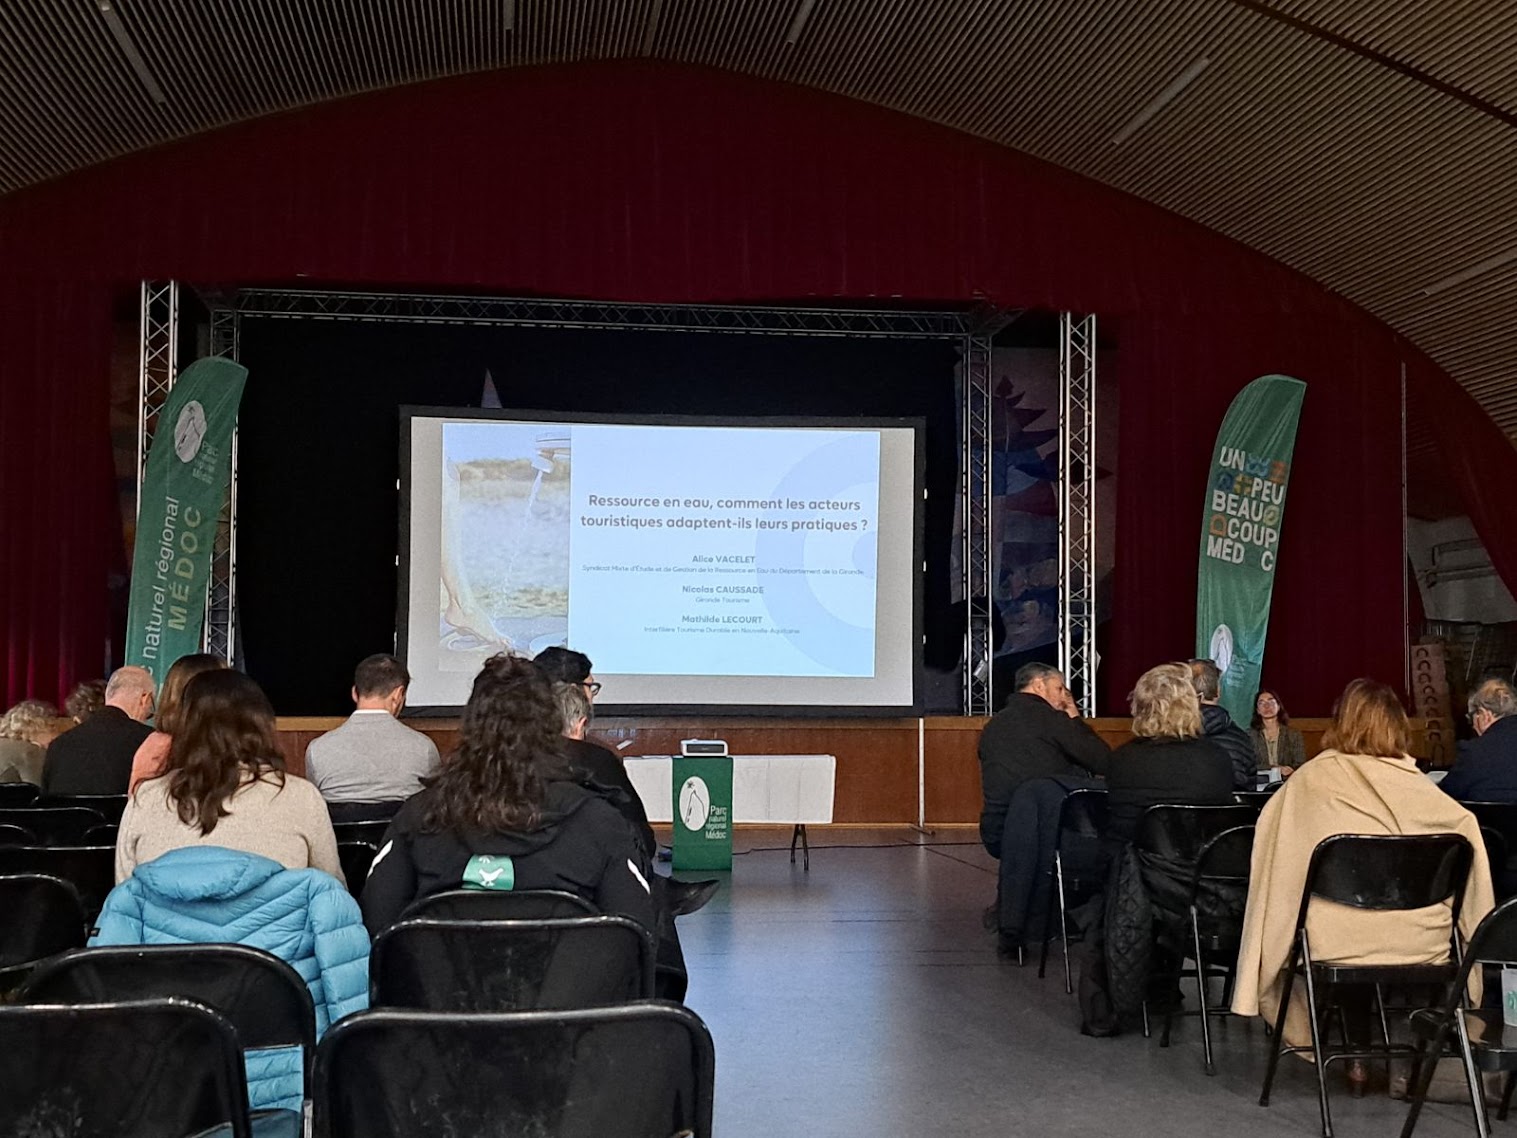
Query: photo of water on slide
pixel 505 538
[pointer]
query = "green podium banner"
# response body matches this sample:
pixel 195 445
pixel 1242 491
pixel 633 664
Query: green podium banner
pixel 183 490
pixel 702 813
pixel 1240 533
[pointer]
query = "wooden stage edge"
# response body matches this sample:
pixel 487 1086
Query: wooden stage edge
pixel 889 771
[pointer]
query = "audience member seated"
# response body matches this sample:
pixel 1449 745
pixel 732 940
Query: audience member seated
pixel 225 785
pixel 1036 735
pixel 150 758
pixel 1276 743
pixel 1170 760
pixel 373 756
pixel 1485 769
pixel 566 666
pixel 96 756
pixel 87 698
pixel 503 813
pixel 1364 782
pixel 25 732
pixel 206 893
pixel 1218 726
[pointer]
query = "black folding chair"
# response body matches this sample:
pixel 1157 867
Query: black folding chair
pixel 263 998
pixel 54 825
pixel 1383 873
pixel 500 905
pixel 89 869
pixel 14 794
pixel 1083 815
pixel 1178 834
pixel 1484 1042
pixel 43 917
pixel 158 1069
pixel 16 836
pixel 1497 854
pixel 496 965
pixel 108 806
pixel 1253 798
pixel 356 859
pixel 625 1072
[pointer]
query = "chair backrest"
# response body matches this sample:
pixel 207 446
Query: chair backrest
pixel 500 905
pixel 142 1070
pixel 11 835
pixel 495 965
pixel 1388 871
pixel 89 869
pixel 43 916
pixel 1227 856
pixel 55 825
pixel 105 835
pixel 1496 849
pixel 343 813
pixel 108 806
pixel 1498 816
pixel 372 832
pixel 1084 812
pixel 1254 798
pixel 1495 938
pixel 356 859
pixel 625 1072
pixel 262 996
pixel 14 794
pixel 1179 832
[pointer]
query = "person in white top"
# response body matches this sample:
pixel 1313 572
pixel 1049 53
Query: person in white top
pixel 372 757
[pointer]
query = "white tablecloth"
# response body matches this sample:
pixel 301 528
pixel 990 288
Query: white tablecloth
pixel 782 789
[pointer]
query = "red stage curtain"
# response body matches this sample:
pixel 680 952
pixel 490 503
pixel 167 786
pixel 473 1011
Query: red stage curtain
pixel 652 182
pixel 58 515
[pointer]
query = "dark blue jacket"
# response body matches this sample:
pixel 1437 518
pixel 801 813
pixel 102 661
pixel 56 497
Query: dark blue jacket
pixel 1486 768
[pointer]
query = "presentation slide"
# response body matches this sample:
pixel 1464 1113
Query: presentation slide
pixel 747 564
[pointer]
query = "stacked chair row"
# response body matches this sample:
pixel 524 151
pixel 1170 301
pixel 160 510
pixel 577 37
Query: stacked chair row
pixel 492 1013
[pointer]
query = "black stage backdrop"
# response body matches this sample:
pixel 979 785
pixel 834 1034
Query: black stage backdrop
pixel 319 445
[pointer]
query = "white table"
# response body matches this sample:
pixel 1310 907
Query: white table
pixel 790 790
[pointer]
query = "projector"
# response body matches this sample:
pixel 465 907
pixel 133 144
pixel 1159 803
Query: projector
pixel 703 748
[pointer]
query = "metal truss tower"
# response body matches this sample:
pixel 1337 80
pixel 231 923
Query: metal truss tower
pixel 1077 507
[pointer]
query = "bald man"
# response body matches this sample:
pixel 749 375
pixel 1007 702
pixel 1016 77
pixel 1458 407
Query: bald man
pixel 96 756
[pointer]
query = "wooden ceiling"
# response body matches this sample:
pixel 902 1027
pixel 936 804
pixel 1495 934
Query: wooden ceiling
pixel 1368 143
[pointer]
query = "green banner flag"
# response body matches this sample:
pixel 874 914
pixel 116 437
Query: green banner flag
pixel 183 490
pixel 1240 533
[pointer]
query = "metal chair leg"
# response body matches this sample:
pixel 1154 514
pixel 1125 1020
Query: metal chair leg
pixel 1195 939
pixel 1385 1026
pixel 1069 984
pixel 1277 1035
pixel 1472 1076
pixel 1057 886
pixel 1506 1096
pixel 1319 1051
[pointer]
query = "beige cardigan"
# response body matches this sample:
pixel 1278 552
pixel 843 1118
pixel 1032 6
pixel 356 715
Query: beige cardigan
pixel 287 824
pixel 1344 794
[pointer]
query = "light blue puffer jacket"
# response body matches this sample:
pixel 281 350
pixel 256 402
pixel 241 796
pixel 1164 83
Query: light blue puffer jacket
pixel 207 895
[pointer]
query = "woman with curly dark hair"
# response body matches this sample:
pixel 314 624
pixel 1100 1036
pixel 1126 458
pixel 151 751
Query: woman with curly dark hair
pixel 503 813
pixel 224 784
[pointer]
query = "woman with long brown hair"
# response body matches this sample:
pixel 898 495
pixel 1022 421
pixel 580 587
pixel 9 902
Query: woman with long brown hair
pixel 1364 782
pixel 503 813
pixel 225 785
pixel 152 756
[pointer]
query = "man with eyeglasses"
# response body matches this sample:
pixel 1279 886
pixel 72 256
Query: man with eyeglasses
pixel 595 764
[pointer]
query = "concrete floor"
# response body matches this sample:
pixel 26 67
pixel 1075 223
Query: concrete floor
pixel 864 999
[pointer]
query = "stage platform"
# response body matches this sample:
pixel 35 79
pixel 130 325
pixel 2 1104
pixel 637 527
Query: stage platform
pixel 864 1000
pixel 889 771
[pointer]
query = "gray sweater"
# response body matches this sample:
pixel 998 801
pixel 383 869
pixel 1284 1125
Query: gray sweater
pixel 373 757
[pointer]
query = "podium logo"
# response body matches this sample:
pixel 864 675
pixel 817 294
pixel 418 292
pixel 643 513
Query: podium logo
pixel 694 803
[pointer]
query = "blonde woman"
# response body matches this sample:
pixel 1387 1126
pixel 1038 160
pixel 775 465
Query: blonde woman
pixel 25 732
pixel 1168 760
